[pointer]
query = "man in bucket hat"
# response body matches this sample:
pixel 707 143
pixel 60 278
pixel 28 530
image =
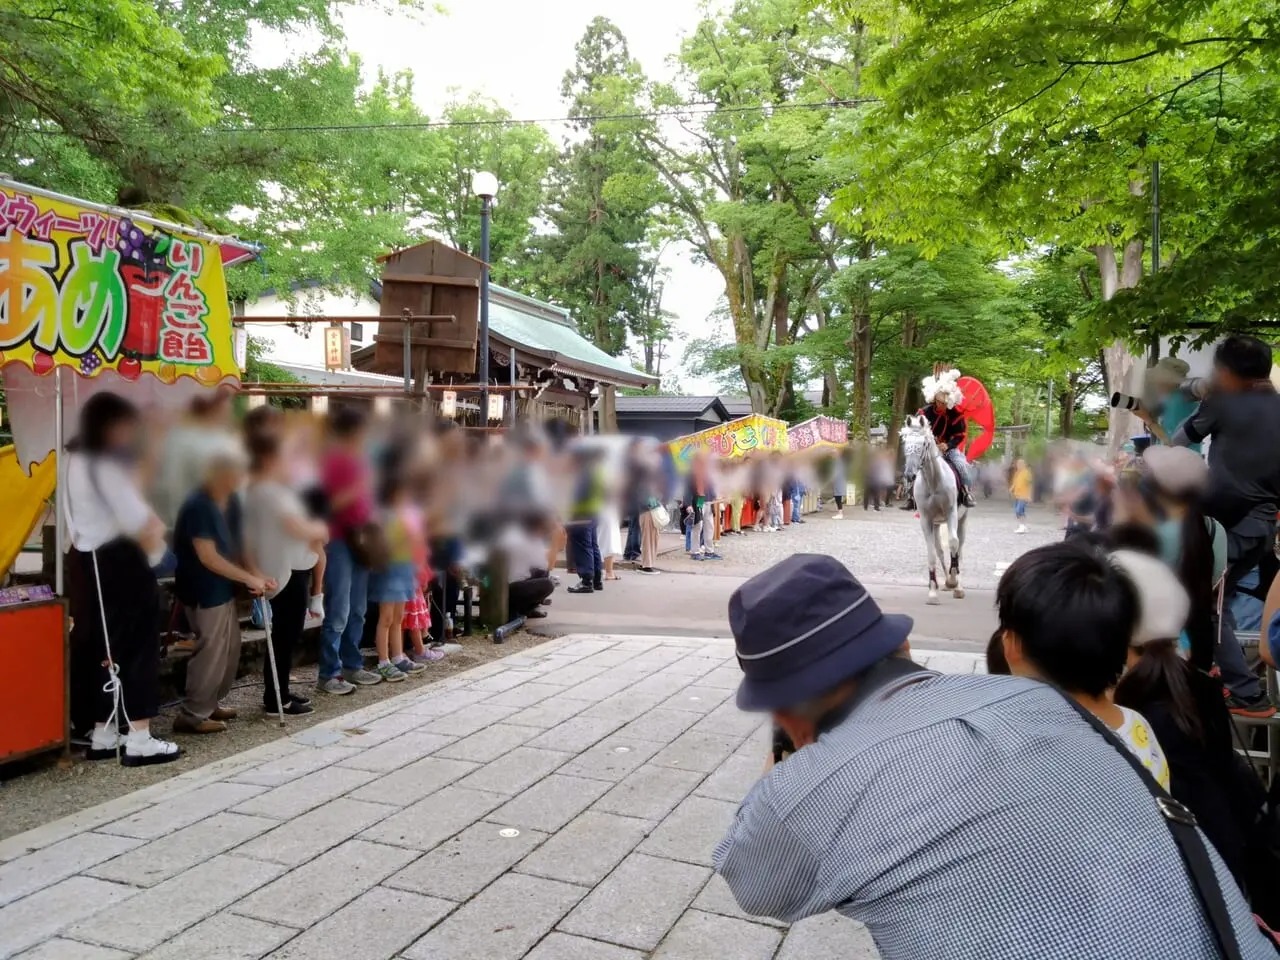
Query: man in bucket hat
pixel 958 816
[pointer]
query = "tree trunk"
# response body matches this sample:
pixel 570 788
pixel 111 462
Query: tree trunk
pixel 901 388
pixel 832 395
pixel 1067 406
pixel 860 346
pixel 1117 360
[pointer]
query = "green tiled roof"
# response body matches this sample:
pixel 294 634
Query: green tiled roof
pixel 524 322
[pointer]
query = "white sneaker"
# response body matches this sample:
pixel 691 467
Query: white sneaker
pixel 838 516
pixel 141 749
pixel 1022 528
pixel 104 744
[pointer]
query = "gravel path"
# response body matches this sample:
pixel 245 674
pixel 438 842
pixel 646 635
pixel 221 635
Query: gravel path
pixel 885 547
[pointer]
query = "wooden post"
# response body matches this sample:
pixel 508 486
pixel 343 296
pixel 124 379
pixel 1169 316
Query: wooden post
pixel 494 610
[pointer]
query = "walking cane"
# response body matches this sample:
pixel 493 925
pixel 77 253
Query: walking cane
pixel 271 657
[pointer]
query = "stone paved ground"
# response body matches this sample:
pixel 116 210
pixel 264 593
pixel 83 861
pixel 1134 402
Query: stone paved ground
pixel 561 804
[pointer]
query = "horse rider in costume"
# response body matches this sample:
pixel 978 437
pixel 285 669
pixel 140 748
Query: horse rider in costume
pixel 942 397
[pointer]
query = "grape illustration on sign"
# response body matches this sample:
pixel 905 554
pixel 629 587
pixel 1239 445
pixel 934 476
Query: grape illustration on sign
pixel 94 291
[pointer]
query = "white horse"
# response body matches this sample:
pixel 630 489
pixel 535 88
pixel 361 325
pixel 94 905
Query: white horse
pixel 933 483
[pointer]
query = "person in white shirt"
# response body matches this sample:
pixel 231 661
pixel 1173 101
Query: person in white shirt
pixel 116 540
pixel 283 543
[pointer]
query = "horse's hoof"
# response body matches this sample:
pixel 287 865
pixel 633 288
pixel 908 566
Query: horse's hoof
pixel 933 597
pixel 959 593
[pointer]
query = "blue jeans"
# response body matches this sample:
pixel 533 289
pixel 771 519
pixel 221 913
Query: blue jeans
pixel 1020 509
pixel 346 591
pixel 797 503
pixel 585 549
pixel 632 550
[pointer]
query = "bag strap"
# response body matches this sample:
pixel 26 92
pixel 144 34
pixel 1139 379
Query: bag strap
pixel 1182 825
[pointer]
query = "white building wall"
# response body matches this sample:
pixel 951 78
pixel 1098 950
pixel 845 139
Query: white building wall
pixel 305 344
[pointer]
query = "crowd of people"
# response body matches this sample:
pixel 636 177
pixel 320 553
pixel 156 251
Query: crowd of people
pixel 365 528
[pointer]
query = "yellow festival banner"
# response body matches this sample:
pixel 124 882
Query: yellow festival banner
pixel 736 438
pixel 94 290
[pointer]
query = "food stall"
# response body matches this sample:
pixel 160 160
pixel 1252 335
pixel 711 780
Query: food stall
pixel 94 298
pixel 746 437
pixel 814 437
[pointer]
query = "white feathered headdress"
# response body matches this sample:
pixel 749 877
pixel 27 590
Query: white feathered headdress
pixel 943 387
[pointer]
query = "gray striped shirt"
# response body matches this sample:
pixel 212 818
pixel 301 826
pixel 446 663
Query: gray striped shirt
pixel 973 817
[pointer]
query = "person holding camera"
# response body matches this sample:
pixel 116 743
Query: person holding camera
pixel 961 816
pixel 1241 416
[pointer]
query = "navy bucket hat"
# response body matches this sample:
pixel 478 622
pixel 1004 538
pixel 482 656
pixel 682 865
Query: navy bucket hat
pixel 804 626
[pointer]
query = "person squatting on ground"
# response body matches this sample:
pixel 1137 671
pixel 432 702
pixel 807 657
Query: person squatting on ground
pixel 957 816
pixel 207 540
pixel 116 540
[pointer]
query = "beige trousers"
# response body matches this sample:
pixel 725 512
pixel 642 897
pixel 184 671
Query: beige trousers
pixel 212 668
pixel 648 539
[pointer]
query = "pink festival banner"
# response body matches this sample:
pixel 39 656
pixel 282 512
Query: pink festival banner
pixel 822 432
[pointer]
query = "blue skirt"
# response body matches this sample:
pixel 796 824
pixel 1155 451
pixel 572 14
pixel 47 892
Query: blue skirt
pixel 396 584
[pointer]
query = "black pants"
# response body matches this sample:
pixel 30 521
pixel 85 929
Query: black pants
pixel 288 618
pixel 584 549
pixel 525 595
pixel 871 495
pixel 132 602
pixel 445 587
pixel 839 499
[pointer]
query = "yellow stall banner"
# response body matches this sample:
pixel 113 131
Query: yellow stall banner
pixel 94 290
pixel 737 438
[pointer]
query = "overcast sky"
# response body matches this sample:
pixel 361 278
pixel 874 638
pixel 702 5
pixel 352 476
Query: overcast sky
pixel 517 52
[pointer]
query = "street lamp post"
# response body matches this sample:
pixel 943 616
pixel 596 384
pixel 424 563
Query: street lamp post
pixel 485 186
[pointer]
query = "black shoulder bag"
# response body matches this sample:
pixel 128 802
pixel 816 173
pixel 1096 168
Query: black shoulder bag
pixel 1182 824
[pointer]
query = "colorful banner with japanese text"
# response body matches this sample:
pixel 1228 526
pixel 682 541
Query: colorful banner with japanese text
pixel 94 291
pixel 818 432
pixel 737 438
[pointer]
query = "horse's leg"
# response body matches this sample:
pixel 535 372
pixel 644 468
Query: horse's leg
pixel 958 592
pixel 952 546
pixel 931 541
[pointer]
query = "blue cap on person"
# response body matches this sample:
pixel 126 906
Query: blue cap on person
pixel 804 626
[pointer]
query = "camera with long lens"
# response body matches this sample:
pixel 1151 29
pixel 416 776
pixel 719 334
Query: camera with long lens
pixel 1124 401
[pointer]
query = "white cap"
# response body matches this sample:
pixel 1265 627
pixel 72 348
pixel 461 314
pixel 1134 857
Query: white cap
pixel 1163 603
